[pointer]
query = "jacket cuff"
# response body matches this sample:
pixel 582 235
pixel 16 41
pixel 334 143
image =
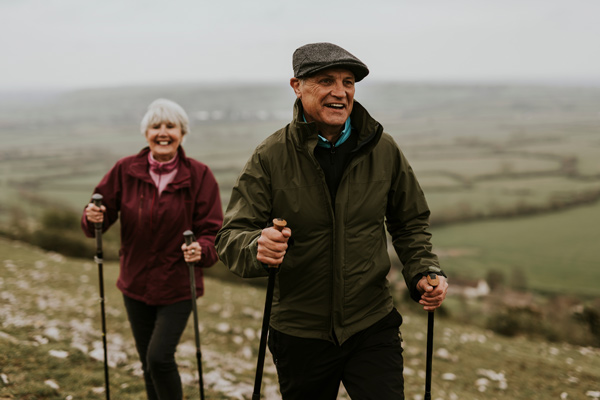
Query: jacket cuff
pixel 253 247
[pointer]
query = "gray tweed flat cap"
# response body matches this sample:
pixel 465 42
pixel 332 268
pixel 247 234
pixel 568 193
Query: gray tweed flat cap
pixel 312 58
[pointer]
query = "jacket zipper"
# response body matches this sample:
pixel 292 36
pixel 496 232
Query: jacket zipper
pixel 141 207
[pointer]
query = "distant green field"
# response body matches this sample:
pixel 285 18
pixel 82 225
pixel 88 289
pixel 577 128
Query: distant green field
pixel 556 252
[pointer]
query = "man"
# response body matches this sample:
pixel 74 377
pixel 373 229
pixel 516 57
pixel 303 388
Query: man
pixel 338 180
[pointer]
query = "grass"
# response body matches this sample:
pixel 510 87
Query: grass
pixel 555 252
pixel 49 305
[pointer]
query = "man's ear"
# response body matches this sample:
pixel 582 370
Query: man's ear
pixel 295 84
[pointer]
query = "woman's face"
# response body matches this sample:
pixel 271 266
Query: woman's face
pixel 164 138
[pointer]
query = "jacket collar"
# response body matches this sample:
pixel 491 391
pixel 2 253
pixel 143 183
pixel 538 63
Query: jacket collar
pixel 140 166
pixel 369 130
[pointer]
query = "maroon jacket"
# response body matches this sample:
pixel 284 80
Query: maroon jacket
pixel 152 266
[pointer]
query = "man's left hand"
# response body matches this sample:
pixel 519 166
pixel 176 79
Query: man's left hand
pixel 432 298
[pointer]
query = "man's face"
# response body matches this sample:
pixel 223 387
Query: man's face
pixel 327 98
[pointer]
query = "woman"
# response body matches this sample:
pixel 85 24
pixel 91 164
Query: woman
pixel 158 194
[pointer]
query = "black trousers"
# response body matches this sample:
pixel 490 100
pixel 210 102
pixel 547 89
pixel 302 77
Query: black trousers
pixel 157 331
pixel 370 364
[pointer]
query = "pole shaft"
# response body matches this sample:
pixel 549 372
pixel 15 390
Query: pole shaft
pixel 432 280
pixel 429 361
pixel 279 224
pixel 104 344
pixel 189 238
pixel 97 200
pixel 262 349
pixel 196 331
pixel 99 261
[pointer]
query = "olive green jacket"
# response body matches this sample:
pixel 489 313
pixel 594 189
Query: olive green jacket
pixel 333 277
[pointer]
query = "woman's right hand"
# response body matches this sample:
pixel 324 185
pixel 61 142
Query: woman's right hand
pixel 95 214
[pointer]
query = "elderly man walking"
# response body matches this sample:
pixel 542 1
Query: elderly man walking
pixel 339 181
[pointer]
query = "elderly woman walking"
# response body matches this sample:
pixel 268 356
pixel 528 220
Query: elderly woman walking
pixel 158 194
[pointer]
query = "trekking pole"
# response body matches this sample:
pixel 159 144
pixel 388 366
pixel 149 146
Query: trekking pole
pixel 189 238
pixel 433 280
pixel 278 224
pixel 97 200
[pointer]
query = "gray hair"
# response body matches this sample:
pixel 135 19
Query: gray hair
pixel 163 110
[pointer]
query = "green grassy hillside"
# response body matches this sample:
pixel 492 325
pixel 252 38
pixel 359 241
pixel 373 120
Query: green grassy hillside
pixel 556 252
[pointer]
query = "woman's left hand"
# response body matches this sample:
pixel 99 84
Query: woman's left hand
pixel 192 253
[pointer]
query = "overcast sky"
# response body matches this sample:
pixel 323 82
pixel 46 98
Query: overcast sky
pixel 75 44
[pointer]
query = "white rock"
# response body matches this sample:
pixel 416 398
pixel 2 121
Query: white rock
pixel 97 354
pixel 246 352
pixel 4 378
pixel 52 332
pixel 443 354
pixel 494 376
pixel 250 333
pixel 187 378
pixel 564 396
pixel 593 394
pixel 238 340
pixel 482 382
pixel 58 353
pixel 40 339
pixel 51 383
pixel 449 376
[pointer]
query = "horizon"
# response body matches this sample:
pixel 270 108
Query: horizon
pixel 566 83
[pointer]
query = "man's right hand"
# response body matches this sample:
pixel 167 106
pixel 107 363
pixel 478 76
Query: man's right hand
pixel 272 245
pixel 95 214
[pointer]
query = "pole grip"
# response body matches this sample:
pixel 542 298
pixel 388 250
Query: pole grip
pixel 97 200
pixel 279 224
pixel 433 279
pixel 188 237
